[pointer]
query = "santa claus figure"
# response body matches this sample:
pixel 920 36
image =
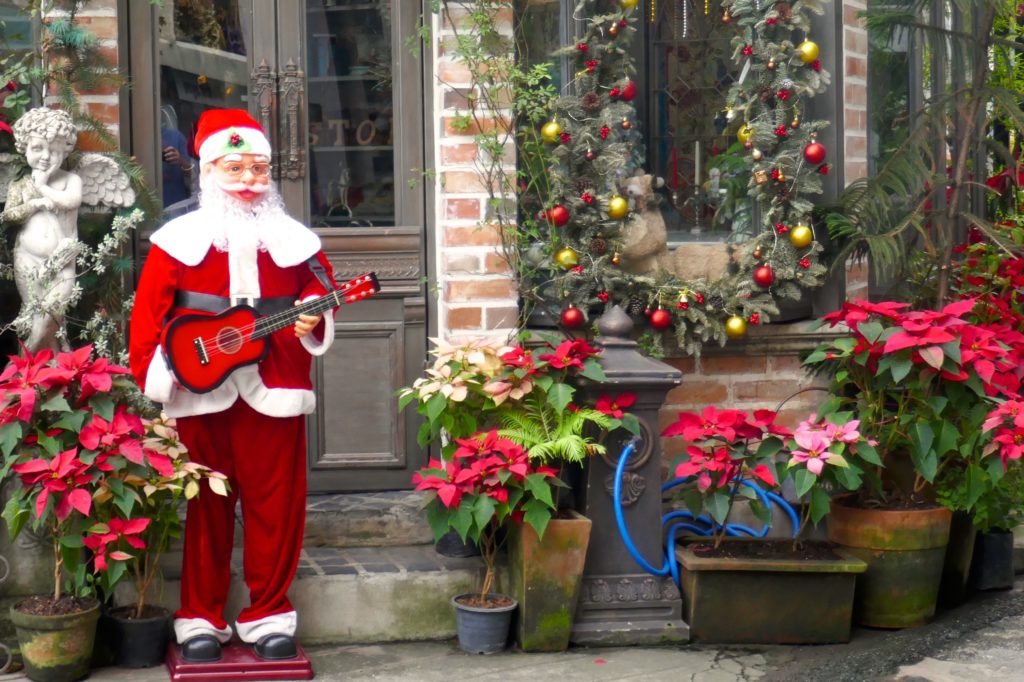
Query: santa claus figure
pixel 239 247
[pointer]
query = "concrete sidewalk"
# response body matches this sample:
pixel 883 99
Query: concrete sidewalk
pixel 982 640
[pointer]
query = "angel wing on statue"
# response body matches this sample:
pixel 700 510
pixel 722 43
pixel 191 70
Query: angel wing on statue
pixel 45 204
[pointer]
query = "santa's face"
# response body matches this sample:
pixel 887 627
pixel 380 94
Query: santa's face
pixel 245 177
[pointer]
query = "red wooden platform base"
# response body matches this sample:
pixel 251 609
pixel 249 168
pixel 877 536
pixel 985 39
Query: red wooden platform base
pixel 239 662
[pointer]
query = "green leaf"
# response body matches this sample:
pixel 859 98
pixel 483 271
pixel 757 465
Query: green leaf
pixel 933 355
pixel 924 436
pixel 483 510
pixel 438 518
pixel 592 370
pixel 50 444
pixel 462 519
pixel 72 421
pixel 868 453
pixel 949 439
pixel 900 369
pixel 975 485
pixel 538 486
pixel 560 395
pixel 10 436
pixel 73 541
pixel 435 406
pixel 631 423
pixel 938 403
pixel 56 404
pixel 537 515
pixel 769 448
pixel 717 505
pixel 804 481
pixel 103 405
pixel 15 515
pixel 820 504
pixel 871 330
pixel 848 477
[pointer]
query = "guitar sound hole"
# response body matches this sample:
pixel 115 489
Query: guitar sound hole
pixel 229 340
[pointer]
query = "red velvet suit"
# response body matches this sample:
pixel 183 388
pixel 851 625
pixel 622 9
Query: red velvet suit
pixel 251 428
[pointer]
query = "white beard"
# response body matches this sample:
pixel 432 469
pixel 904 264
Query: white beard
pixel 240 223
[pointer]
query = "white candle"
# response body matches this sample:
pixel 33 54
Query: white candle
pixel 696 162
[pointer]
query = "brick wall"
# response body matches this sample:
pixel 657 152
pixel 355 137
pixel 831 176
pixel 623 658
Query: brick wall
pixel 477 293
pixel 855 119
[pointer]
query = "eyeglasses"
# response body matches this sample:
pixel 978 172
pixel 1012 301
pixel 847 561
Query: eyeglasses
pixel 237 170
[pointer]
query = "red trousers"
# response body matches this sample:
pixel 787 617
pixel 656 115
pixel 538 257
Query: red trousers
pixel 264 459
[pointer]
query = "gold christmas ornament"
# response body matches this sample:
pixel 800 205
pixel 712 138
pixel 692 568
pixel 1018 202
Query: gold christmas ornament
pixel 613 30
pixel 550 132
pixel 744 134
pixel 808 51
pixel 760 176
pixel 567 258
pixel 726 17
pixel 627 4
pixel 757 254
pixel 618 208
pixel 782 176
pixel 801 236
pixel 616 258
pixel 626 125
pixel 735 327
pixel 771 65
pixel 795 123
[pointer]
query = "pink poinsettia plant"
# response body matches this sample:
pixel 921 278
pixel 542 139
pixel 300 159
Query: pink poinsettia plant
pixel 920 382
pixel 729 454
pixel 70 438
pixel 487 482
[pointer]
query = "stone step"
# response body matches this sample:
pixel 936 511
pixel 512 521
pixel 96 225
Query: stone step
pixel 356 594
pixel 387 519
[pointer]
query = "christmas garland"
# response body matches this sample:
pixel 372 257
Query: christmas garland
pixel 593 148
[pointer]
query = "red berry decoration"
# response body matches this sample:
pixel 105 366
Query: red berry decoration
pixel 755 318
pixel 559 215
pixel 781 132
pixel 614 92
pixel 661 319
pixel 781 229
pixel 628 92
pixel 764 276
pixel 583 47
pixel 783 95
pixel 816 65
pixel 566 138
pixel 587 197
pixel 573 318
pixel 748 50
pixel 824 169
pixel 602 296
pixel 805 263
pixel 814 153
pixel 605 131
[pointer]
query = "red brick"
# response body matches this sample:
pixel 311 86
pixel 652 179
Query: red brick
pixel 687 366
pixel 850 16
pixel 856 40
pixel 461 263
pixel 465 318
pixel 856 94
pixel 785 363
pixel 857 67
pixel 484 235
pixel 855 169
pixel 107 113
pixel 855 120
pixel 454 72
pixel 501 317
pixel 462 209
pixel 458 153
pixel 736 364
pixel 475 290
pixel 456 126
pixel 104 28
pixel 496 263
pixel 856 145
pixel 459 182
pixel 693 396
pixel 769 392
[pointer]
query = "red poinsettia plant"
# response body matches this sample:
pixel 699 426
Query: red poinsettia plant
pixel 487 482
pixel 70 438
pixel 920 382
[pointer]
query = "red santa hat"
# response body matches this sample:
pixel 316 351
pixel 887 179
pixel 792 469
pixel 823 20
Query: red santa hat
pixel 229 131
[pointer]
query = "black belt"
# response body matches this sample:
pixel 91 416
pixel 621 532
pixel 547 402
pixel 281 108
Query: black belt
pixel 208 303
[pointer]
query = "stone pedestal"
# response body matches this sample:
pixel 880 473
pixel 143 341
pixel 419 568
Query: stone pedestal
pixel 620 603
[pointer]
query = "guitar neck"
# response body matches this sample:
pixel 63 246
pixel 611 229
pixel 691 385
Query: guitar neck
pixel 272 323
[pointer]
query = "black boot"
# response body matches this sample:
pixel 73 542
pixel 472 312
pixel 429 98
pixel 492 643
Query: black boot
pixel 201 649
pixel 275 647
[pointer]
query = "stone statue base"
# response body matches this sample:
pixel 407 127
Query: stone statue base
pixel 238 662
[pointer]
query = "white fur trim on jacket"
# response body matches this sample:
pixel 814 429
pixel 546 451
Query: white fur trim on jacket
pixel 244 382
pixel 218 144
pixel 187 628
pixel 309 341
pixel 188 238
pixel 277 624
pixel 159 380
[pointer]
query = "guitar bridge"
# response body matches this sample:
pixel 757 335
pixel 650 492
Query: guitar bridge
pixel 204 358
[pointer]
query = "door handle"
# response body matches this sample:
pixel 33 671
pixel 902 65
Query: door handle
pixel 263 86
pixel 292 94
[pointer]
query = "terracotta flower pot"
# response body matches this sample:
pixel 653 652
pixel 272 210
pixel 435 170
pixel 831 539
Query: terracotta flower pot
pixel 56 648
pixel 904 550
pixel 783 601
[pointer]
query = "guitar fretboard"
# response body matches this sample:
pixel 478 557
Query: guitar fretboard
pixel 358 289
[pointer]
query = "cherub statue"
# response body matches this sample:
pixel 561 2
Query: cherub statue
pixel 46 202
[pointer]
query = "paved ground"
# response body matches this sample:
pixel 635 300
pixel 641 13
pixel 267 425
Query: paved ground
pixel 983 640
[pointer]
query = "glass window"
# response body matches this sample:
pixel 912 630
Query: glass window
pixel 890 67
pixel 15 27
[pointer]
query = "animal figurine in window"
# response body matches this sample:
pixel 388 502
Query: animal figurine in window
pixel 45 203
pixel 645 239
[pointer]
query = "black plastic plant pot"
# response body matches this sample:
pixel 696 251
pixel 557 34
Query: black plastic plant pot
pixel 140 642
pixel 483 629
pixel 992 564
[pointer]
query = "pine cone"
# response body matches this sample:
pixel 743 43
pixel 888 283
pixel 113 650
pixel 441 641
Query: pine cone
pixel 636 306
pixel 715 301
pixel 590 101
pixel 598 246
pixel 582 185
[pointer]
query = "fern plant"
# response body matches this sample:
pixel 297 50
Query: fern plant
pixel 552 432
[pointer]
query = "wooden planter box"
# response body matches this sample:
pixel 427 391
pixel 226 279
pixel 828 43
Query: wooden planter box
pixel 768 601
pixel 545 576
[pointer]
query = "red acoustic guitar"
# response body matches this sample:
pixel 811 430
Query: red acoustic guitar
pixel 202 350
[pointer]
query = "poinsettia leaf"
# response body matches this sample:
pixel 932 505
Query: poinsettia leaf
pixel 975 485
pixel 848 477
pixel 717 505
pixel 933 355
pixel 115 571
pixel 694 501
pixel 219 486
pixel 405 399
pixel 72 421
pixel 592 370
pixel 924 436
pixel 804 481
pixel 948 440
pixel 537 514
pixel 900 368
pixel 10 436
pixel 438 518
pixel 631 423
pixel 761 511
pixel 995 468
pixel 483 510
pixel 15 515
pixel 539 487
pixel 74 541
pixel 820 505
pixel 462 520
pixel 871 331
pixel 868 453
pixel 57 403
pixel 769 447
pixel 952 351
pixel 52 445
pixel 435 406
pixel 103 405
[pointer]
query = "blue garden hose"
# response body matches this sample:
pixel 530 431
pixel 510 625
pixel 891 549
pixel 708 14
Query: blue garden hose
pixel 700 525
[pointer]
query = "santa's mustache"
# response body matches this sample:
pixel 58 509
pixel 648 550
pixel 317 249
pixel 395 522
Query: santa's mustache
pixel 242 187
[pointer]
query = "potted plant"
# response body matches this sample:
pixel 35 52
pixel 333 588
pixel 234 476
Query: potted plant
pixel 919 381
pixel 527 396
pixel 794 591
pixel 66 434
pixel 140 629
pixel 488 482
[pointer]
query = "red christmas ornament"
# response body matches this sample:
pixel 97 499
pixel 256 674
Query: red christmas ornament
pixel 628 91
pixel 814 153
pixel 623 23
pixel 748 50
pixel 605 131
pixel 764 276
pixel 805 263
pixel 558 215
pixel 603 296
pixel 583 47
pixel 590 155
pixel 572 318
pixel 781 229
pixel 661 319
pixel 566 138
